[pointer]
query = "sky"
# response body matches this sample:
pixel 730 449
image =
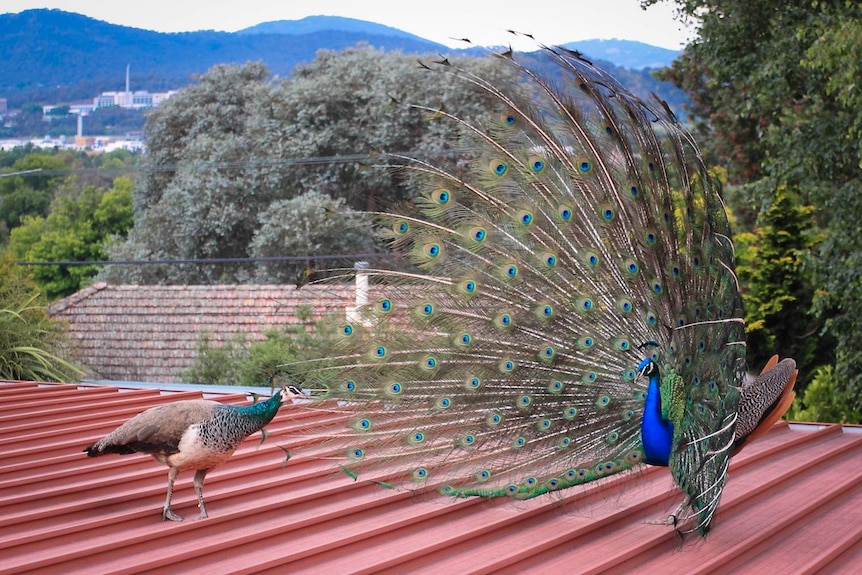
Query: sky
pixel 482 21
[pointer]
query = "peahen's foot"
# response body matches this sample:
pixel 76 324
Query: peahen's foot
pixel 203 514
pixel 169 515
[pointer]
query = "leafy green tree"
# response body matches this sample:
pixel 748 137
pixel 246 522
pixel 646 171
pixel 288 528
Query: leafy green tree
pixel 28 194
pixel 775 86
pixel 312 224
pixel 83 221
pixel 32 345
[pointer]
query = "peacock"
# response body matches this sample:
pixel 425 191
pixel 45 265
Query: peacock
pixel 194 434
pixel 571 312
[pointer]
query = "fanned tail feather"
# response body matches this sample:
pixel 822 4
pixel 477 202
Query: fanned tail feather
pixel 579 233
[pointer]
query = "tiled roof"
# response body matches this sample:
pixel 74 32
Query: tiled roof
pixel 151 333
pixel 793 504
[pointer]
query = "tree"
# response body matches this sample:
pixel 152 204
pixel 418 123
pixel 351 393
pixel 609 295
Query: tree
pixel 227 152
pixel 82 223
pixel 774 84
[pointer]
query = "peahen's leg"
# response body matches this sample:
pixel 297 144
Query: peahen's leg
pixel 199 489
pixel 167 513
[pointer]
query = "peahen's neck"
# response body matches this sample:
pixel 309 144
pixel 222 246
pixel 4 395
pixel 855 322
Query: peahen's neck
pixel 656 432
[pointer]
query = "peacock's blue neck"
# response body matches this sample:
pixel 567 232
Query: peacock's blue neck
pixel 262 411
pixel 656 432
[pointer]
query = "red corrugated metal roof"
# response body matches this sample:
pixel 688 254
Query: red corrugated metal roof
pixel 793 505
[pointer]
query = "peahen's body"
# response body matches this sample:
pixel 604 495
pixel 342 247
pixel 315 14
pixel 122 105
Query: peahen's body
pixel 194 434
pixel 576 313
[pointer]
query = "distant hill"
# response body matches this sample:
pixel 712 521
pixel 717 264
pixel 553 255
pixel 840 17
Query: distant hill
pixel 52 56
pixel 625 53
pixel 312 24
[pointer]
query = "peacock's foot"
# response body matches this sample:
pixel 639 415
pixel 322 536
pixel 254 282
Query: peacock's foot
pixel 169 515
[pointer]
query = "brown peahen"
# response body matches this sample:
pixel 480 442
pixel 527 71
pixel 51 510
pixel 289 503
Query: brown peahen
pixel 194 434
pixel 575 312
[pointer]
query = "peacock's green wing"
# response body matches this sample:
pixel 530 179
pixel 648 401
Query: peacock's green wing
pixel 579 234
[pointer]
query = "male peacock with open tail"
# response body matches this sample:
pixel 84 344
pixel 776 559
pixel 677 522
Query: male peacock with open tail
pixel 575 313
pixel 197 434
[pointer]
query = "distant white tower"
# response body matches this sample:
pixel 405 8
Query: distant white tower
pixel 127 78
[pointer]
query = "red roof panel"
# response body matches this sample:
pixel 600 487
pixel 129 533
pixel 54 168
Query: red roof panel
pixel 793 504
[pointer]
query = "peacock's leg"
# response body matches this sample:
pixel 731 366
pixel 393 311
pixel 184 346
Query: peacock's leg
pixel 167 513
pixel 671 520
pixel 199 489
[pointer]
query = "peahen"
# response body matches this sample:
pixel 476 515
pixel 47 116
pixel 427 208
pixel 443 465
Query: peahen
pixel 575 312
pixel 194 434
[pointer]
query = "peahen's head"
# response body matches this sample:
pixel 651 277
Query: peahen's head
pixel 290 392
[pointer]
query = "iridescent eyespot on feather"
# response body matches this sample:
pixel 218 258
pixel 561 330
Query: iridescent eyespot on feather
pixel 651 318
pixel 537 164
pixel 585 166
pixel 627 415
pixel 348 385
pixel 494 419
pixel 467 287
pixel 356 454
pixel 525 217
pixel 429 363
pixel 543 425
pixel 585 304
pixel 503 321
pixel 630 266
pixel 549 259
pixel 634 192
pixel 586 342
pixel 570 413
pixel 607 213
pixel 477 234
pixel 509 271
pixel 547 353
pixel 383 305
pixel 630 374
pixel 650 237
pixel 506 366
pixel 519 443
pixel 401 227
pixel 544 311
pixel 603 401
pixel 444 403
pixel 346 330
pixel 394 388
pixel 467 440
pixel 420 473
pixel 612 437
pixel 624 305
pixel 362 425
pixel 508 119
pixel 378 352
pixel 463 340
pixel 523 401
pixel 426 309
pixel 472 383
pixel 564 442
pixel 565 212
pixel 498 167
pixel 591 259
pixel 622 344
pixel 416 438
pixel 553 483
pixel 432 250
pixel 555 386
pixel 441 196
pixel 483 475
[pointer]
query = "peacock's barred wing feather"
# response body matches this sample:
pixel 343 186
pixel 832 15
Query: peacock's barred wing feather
pixel 581 234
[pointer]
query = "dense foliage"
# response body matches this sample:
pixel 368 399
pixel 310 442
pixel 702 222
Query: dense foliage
pixel 774 89
pixel 32 346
